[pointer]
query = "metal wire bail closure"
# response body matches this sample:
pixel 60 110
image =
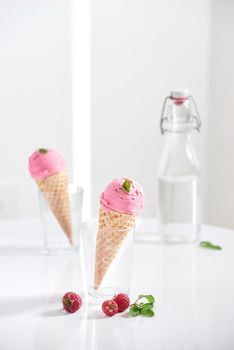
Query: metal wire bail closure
pixel 195 119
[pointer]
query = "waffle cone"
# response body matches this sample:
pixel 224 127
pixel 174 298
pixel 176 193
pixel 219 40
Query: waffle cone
pixel 113 228
pixel 55 191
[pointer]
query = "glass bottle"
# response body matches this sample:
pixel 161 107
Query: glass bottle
pixel 179 178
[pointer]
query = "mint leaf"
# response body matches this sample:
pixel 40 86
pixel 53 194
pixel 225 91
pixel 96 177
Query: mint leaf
pixel 147 312
pixel 150 298
pixel 134 311
pixel 209 245
pixel 43 150
pixel 127 185
pixel 148 306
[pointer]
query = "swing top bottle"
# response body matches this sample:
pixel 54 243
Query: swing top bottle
pixel 179 178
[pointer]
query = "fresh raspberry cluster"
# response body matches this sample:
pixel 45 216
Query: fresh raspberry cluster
pixel 120 302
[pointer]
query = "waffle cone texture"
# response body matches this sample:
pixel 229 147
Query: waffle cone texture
pixel 55 191
pixel 113 228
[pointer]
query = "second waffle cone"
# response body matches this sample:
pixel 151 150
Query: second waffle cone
pixel 113 228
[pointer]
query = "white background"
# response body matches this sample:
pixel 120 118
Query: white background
pixel 35 94
pixel 138 50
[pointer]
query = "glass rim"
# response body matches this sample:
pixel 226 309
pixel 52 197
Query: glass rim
pixel 72 188
pixel 93 225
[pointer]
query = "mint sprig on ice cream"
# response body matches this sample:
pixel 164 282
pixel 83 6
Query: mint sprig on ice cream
pixel 127 185
pixel 43 150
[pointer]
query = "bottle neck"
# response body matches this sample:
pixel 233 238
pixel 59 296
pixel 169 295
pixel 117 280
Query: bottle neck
pixel 179 120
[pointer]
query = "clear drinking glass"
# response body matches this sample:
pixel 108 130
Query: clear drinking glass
pixel 55 239
pixel 118 275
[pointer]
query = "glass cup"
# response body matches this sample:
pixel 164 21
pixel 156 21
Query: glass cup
pixel 56 240
pixel 117 277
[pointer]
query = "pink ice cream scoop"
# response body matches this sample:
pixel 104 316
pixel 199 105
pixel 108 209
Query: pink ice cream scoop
pixel 45 162
pixel 127 200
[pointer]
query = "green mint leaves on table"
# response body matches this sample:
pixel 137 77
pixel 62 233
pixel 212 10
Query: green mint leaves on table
pixel 142 308
pixel 127 185
pixel 209 245
pixel 43 150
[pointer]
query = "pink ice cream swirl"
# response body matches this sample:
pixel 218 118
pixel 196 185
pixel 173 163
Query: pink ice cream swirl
pixel 116 198
pixel 45 162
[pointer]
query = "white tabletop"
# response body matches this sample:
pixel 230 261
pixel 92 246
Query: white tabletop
pixel 193 287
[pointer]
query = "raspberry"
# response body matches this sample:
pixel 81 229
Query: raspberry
pixel 71 302
pixel 122 300
pixel 110 308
